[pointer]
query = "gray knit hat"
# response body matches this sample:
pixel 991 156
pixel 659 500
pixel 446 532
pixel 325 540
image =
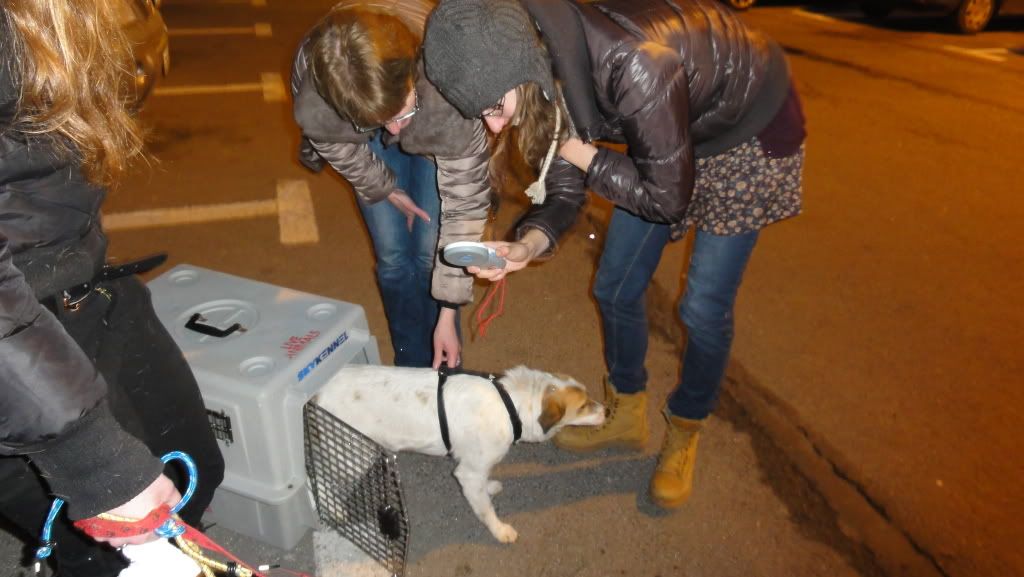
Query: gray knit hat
pixel 477 50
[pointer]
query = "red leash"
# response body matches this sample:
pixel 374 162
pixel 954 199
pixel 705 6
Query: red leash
pixel 483 323
pixel 111 527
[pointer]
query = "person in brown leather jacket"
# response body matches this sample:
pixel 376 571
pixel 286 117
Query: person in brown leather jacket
pixel 714 133
pixel 91 384
pixel 416 165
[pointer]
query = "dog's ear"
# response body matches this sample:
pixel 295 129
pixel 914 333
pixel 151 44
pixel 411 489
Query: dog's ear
pixel 552 412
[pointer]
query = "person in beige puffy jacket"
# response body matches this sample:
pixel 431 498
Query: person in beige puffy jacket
pixel 418 168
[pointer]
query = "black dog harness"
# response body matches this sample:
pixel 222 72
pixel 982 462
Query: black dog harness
pixel 442 376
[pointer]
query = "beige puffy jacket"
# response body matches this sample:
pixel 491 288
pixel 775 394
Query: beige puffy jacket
pixel 457 145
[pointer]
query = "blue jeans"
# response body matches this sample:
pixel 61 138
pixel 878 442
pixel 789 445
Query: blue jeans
pixel 631 254
pixel 405 259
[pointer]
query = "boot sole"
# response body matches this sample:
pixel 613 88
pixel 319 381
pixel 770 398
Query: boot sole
pixel 670 504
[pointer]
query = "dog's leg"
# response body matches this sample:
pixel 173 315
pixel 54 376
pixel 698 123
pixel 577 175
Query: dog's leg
pixel 475 487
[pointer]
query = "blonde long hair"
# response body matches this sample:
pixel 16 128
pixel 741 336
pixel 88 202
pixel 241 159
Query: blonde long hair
pixel 528 137
pixel 74 68
pixel 534 120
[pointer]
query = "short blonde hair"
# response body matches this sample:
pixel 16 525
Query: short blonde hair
pixel 363 64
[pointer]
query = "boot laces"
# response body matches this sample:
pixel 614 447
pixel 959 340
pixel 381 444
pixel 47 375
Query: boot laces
pixel 613 409
pixel 673 445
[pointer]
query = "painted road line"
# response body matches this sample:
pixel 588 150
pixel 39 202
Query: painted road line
pixel 990 54
pixel 188 215
pixel 271 85
pixel 296 217
pixel 295 214
pixel 260 29
pixel 207 89
pixel 814 15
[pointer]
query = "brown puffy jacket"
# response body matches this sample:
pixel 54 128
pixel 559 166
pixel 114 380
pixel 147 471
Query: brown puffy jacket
pixel 458 146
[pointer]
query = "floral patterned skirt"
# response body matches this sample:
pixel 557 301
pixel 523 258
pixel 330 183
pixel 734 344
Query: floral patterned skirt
pixel 743 190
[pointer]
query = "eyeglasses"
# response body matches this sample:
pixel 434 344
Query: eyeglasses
pixel 495 110
pixel 399 118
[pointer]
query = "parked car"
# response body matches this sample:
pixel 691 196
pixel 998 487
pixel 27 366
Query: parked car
pixel 966 16
pixel 145 28
pixel 739 5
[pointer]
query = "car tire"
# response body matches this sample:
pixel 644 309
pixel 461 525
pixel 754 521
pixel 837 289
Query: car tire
pixel 876 10
pixel 740 5
pixel 972 16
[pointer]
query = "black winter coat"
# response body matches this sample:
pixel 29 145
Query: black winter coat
pixel 52 406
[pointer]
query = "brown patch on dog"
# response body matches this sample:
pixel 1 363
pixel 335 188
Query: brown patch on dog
pixel 357 396
pixel 555 404
pixel 423 397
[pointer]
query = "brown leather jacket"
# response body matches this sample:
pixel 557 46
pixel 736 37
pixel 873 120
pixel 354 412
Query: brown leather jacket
pixel 458 146
pixel 673 79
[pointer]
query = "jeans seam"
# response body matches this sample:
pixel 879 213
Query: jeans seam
pixel 618 289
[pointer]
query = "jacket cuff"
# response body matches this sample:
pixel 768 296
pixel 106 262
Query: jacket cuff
pixel 552 238
pixel 96 465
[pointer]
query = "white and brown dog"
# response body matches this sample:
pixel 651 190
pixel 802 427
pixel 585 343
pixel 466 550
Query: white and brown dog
pixel 397 408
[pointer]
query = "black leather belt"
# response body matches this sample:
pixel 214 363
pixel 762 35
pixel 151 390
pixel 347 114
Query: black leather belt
pixel 73 297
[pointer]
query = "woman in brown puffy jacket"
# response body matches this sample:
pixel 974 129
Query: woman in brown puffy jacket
pixel 417 167
pixel 714 133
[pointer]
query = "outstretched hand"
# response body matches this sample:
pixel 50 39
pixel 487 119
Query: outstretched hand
pixel 408 207
pixel 159 492
pixel 516 254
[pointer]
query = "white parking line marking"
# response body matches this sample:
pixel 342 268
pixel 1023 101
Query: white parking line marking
pixel 188 215
pixel 260 29
pixel 296 217
pixel 814 15
pixel 295 214
pixel 207 89
pixel 271 85
pixel 990 54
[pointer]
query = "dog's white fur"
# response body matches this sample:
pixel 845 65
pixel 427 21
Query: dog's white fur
pixel 397 408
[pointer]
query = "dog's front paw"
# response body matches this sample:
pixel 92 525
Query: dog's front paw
pixel 504 532
pixel 493 487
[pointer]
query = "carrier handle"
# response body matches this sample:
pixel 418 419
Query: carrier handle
pixel 194 324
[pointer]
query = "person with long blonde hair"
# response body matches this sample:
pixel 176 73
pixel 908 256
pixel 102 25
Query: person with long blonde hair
pixel 91 385
pixel 714 135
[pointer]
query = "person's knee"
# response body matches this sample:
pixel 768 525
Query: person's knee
pixel 395 265
pixel 707 316
pixel 611 291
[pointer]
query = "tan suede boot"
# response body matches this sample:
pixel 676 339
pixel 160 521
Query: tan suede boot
pixel 672 482
pixel 624 427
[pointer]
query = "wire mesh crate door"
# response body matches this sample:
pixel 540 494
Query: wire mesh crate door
pixel 357 488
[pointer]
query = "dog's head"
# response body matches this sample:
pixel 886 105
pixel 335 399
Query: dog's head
pixel 563 401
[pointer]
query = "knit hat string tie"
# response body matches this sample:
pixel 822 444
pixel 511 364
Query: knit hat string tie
pixel 537 191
